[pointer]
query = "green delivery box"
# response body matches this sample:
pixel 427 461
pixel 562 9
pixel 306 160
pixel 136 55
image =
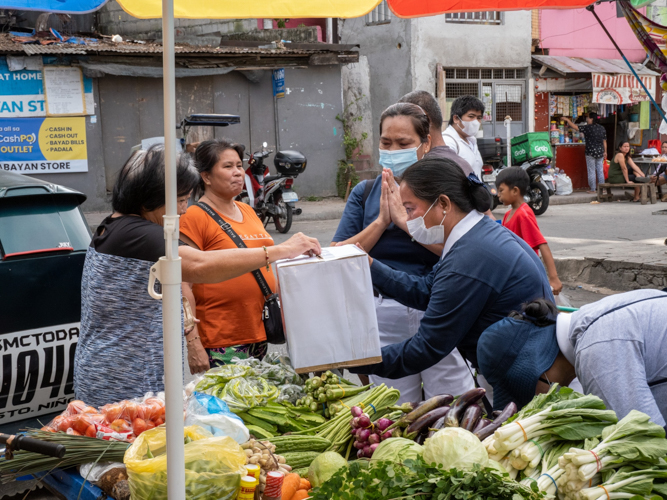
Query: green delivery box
pixel 531 145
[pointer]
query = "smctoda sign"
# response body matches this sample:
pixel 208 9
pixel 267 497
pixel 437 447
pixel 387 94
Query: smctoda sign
pixel 37 367
pixel 43 145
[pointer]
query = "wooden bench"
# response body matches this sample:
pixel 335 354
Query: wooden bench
pixel 646 190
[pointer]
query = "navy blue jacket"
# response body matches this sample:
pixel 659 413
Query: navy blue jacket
pixel 487 274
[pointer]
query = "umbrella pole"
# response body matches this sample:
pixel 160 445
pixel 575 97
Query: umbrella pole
pixel 171 272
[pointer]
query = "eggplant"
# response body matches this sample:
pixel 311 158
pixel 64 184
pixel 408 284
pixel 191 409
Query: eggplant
pixel 507 412
pixel 423 422
pixel 483 422
pixel 439 424
pixel 460 405
pixel 496 413
pixel 423 409
pixel 470 417
pixel 421 438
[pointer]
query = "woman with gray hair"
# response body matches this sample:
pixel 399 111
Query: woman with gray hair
pixel 120 354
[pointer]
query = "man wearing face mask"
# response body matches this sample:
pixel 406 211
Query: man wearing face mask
pixel 464 123
pixel 382 231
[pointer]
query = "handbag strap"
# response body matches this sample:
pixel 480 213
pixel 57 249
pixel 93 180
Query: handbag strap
pixel 227 228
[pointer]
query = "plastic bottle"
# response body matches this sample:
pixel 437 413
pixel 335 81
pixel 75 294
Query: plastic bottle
pixel 247 490
pixel 274 486
pixel 253 470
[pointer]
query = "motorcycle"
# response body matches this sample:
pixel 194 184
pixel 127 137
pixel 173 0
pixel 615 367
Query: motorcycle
pixel 542 181
pixel 272 196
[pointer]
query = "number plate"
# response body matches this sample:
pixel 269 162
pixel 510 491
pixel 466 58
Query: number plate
pixel 290 197
pixel 547 177
pixel 489 178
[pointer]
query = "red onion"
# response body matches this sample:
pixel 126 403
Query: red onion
pixel 356 411
pixel 387 434
pixel 355 422
pixel 363 434
pixel 360 454
pixel 353 432
pixel 383 423
pixel 367 452
pixel 373 448
pixel 359 445
pixel 374 439
pixel 364 421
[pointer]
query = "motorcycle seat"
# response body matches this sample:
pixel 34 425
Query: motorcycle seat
pixel 270 178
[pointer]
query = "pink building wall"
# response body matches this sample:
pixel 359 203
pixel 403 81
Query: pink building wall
pixel 576 33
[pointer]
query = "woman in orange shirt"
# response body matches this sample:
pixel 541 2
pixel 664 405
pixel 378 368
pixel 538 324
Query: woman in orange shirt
pixel 229 313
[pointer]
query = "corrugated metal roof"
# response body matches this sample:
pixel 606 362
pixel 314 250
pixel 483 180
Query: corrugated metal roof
pixel 565 65
pixel 7 44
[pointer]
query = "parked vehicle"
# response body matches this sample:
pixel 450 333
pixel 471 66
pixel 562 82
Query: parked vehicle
pixel 43 242
pixel 272 196
pixel 542 183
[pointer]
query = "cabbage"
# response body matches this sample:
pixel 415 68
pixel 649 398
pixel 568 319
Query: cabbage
pixel 397 450
pixel 453 447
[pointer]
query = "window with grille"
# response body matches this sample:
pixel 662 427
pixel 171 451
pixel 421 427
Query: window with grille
pixel 484 74
pixel 488 17
pixel 379 15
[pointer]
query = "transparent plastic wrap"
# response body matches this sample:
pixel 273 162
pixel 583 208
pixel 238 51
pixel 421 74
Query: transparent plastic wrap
pixel 213 465
pixel 291 393
pixel 121 421
pixel 217 377
pixel 214 415
pixel 274 368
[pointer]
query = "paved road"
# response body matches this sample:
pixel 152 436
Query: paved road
pixel 617 231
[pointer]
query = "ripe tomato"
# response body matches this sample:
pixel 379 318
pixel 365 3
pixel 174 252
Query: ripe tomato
pixel 112 411
pixel 75 407
pixel 120 425
pixel 91 432
pixel 138 426
pixel 150 425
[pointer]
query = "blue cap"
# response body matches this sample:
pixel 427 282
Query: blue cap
pixel 512 355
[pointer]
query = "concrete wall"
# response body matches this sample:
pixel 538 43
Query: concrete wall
pixel 386 47
pixel 456 45
pixel 130 109
pixel 113 20
pixel 576 33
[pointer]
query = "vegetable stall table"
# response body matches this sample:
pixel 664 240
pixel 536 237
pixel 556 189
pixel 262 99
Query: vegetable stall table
pixel 647 164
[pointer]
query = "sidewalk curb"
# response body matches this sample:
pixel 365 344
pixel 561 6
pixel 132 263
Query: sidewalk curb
pixel 615 275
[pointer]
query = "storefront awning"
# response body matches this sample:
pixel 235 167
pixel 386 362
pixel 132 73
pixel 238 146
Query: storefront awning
pixel 610 80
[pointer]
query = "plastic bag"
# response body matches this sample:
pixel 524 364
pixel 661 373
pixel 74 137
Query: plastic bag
pixel 213 465
pixel 291 393
pixel 562 300
pixel 241 394
pixel 93 472
pixel 213 415
pixel 563 184
pixel 121 421
pixel 273 369
pixel 216 378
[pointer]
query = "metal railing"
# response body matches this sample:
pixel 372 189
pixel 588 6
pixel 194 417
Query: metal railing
pixel 379 15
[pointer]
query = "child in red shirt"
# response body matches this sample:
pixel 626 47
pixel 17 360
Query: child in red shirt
pixel 512 184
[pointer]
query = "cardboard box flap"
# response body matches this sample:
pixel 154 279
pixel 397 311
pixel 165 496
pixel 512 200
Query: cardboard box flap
pixel 328 254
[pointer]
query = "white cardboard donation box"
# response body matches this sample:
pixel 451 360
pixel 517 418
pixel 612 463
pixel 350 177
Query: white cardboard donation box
pixel 329 310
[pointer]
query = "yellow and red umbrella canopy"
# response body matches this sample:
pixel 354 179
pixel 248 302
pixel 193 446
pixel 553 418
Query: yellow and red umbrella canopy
pixel 292 9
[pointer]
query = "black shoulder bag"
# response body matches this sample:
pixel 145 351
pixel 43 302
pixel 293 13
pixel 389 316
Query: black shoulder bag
pixel 271 314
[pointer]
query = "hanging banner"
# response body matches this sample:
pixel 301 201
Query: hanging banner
pixel 22 93
pixel 621 89
pixel 43 145
pixel 279 83
pixel 37 367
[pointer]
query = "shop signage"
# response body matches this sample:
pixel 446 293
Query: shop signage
pixel 621 89
pixel 43 145
pixel 279 82
pixel 38 371
pixel 22 94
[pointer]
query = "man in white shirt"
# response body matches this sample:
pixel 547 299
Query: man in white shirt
pixel 464 122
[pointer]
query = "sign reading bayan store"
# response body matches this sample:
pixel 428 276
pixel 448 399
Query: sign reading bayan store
pixel 43 145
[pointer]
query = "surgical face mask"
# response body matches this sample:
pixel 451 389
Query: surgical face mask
pixel 398 160
pixel 427 235
pixel 470 128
